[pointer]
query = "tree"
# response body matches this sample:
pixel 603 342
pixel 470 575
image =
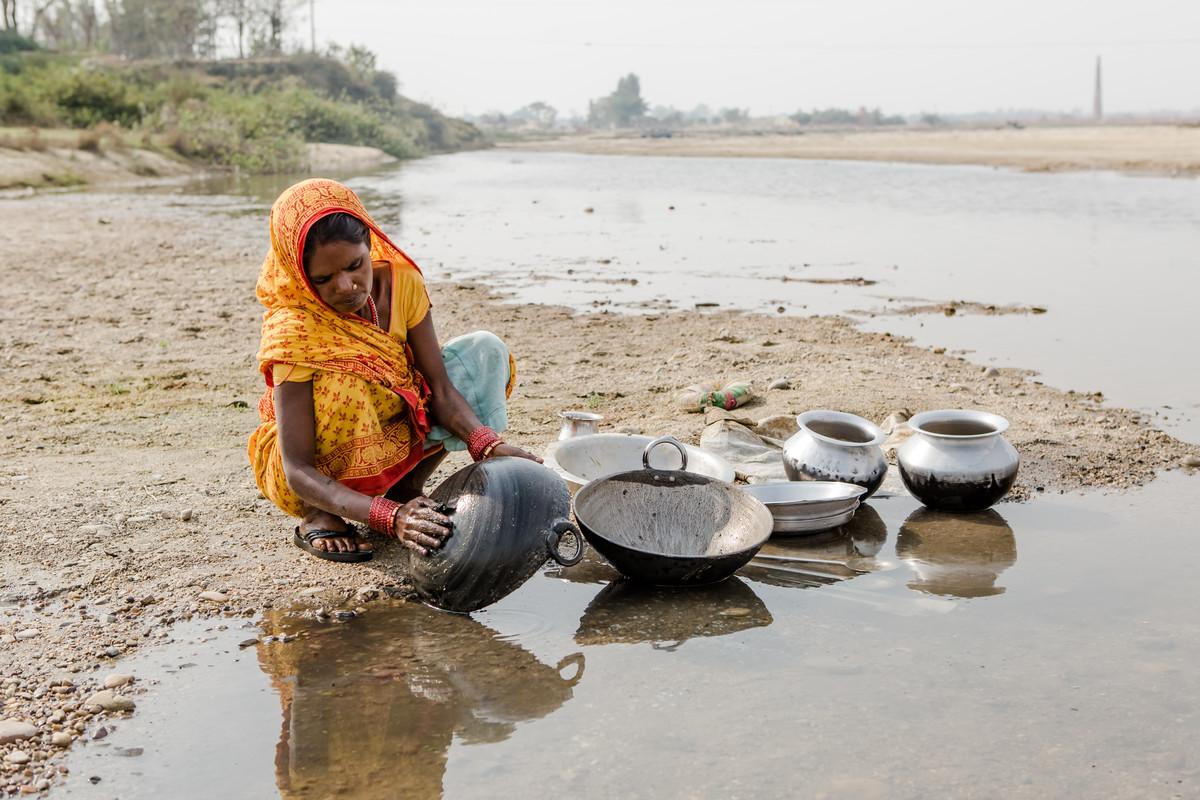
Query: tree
pixel 621 107
pixel 544 114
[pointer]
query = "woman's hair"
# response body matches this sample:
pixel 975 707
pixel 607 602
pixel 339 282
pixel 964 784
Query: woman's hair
pixel 336 227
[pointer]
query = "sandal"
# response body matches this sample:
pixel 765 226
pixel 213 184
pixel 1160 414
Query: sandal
pixel 304 542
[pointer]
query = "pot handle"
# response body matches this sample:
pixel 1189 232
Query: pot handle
pixel 664 440
pixel 554 537
pixel 576 660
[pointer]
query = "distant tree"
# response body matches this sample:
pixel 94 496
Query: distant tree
pixel 802 117
pixel 733 116
pixel 932 119
pixel 620 108
pixel 544 114
pixel 8 10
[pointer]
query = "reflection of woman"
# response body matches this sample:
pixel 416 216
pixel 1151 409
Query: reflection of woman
pixel 371 709
pixel 362 403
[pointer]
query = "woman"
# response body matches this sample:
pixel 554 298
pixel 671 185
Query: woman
pixel 361 403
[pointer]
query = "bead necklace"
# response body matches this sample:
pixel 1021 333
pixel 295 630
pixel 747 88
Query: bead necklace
pixel 374 313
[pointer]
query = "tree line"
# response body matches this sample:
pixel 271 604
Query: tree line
pixel 138 29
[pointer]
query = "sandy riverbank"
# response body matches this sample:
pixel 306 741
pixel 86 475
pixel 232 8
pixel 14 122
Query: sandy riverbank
pixel 130 384
pixel 1145 148
pixel 56 162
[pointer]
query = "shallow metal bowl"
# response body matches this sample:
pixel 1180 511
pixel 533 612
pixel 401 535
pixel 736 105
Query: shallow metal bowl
pixel 807 506
pixel 582 459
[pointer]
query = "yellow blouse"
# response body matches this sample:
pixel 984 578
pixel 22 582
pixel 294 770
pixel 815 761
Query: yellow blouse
pixel 410 304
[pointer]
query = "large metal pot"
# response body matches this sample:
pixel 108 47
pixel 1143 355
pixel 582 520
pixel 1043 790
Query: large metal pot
pixel 671 527
pixel 958 460
pixel 509 515
pixel 836 446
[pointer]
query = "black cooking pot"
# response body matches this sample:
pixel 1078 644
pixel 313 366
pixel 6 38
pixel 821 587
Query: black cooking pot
pixel 509 515
pixel 671 527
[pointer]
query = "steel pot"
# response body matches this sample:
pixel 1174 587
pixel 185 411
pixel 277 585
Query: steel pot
pixel 836 446
pixel 509 515
pixel 958 460
pixel 671 527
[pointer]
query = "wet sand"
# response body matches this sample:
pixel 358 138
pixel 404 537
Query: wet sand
pixel 1170 149
pixel 129 391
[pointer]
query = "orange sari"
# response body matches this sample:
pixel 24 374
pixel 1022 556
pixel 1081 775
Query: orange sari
pixel 369 400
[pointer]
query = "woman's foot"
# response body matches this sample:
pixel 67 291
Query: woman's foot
pixel 324 521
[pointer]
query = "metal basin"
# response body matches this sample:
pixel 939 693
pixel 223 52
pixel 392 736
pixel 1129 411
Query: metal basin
pixel 582 459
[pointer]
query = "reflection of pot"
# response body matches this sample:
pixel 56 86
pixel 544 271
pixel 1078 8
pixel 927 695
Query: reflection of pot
pixel 509 516
pixel 853 545
pixel 958 460
pixel 836 446
pixel 625 612
pixel 961 555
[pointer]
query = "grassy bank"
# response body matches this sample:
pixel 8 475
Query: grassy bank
pixel 255 114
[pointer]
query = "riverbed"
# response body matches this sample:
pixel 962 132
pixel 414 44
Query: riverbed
pixel 1041 648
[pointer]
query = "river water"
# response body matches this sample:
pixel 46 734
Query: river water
pixel 1039 649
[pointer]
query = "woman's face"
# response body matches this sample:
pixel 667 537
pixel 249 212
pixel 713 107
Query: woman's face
pixel 341 273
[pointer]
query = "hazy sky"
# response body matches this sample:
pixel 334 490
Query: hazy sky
pixel 777 56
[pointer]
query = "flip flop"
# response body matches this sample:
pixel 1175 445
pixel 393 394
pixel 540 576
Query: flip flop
pixel 304 542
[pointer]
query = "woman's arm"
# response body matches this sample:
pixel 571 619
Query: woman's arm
pixel 418 526
pixel 447 405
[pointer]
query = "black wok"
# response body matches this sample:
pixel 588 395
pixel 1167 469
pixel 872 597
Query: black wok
pixel 670 527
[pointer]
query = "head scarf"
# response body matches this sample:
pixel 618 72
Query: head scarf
pixel 299 328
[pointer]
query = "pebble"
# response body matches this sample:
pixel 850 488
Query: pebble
pixel 186 514
pixel 99 733
pixel 310 591
pixel 109 618
pixel 109 701
pixel 60 739
pixel 42 785
pixel 8 638
pixel 736 612
pixel 959 387
pixel 117 679
pixel 780 383
pixel 1191 462
pixel 216 597
pixel 991 372
pixel 112 652
pixel 12 730
pixel 27 634
pixel 18 757
pixel 629 429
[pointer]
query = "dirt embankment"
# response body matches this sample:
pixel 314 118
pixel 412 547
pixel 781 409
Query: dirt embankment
pixel 128 387
pixel 1169 149
pixel 45 165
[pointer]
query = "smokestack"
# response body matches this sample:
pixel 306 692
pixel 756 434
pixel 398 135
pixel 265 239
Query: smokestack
pixel 1097 105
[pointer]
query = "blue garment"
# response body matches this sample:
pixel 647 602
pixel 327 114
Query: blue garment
pixel 479 367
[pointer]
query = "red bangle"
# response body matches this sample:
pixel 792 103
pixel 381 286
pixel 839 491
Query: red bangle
pixel 480 439
pixel 382 516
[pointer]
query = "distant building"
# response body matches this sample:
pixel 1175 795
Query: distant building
pixel 1097 104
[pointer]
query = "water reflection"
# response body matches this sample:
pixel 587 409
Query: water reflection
pixel 629 612
pixel 817 559
pixel 371 708
pixel 960 555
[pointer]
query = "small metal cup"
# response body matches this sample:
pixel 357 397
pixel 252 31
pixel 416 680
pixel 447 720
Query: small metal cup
pixel 579 423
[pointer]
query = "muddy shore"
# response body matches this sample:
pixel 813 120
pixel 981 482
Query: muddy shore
pixel 129 390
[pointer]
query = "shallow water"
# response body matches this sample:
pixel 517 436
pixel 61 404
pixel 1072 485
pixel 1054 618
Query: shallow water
pixel 1038 649
pixel 1112 258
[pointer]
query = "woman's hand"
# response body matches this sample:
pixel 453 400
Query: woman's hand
pixel 505 449
pixel 420 526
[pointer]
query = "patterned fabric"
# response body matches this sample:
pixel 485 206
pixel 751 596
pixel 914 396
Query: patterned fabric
pixel 369 400
pixel 728 397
